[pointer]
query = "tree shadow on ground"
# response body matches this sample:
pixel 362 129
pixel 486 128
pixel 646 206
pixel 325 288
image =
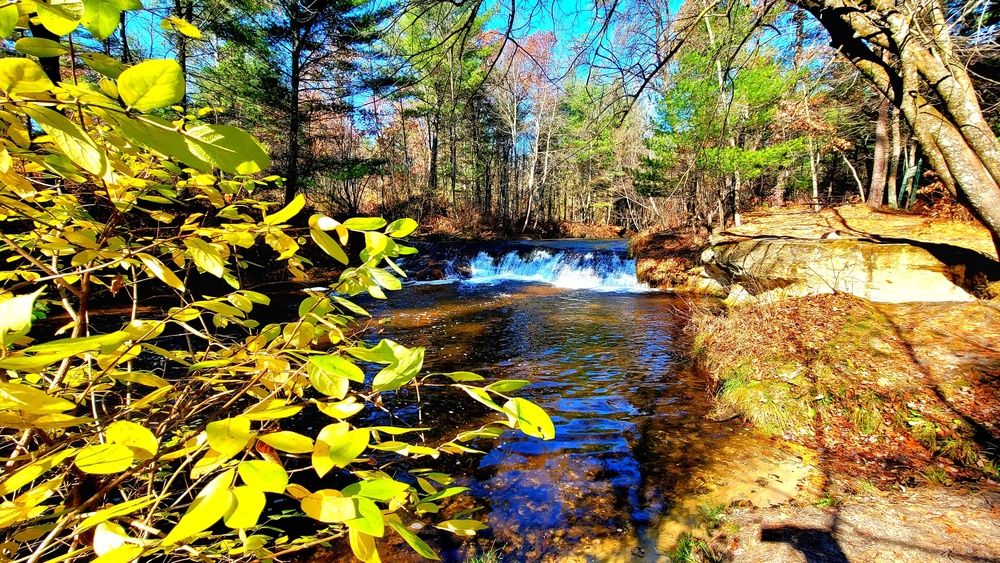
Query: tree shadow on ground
pixel 816 544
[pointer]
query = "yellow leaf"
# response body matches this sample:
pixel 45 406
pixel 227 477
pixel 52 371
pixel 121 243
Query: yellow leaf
pixel 206 256
pixel 321 461
pixel 141 378
pixel 462 527
pixel 52 421
pixel 297 492
pixel 287 212
pixel 323 223
pixel 8 20
pixel 229 436
pixel 39 47
pixel 401 228
pixel 181 26
pixel 25 506
pixel 134 436
pixel 375 242
pixel 231 149
pixel 114 511
pixel 15 396
pixel 152 84
pixel 32 471
pixel 346 448
pixel 531 419
pixel 19 135
pixel 101 17
pixel 73 141
pixel 329 506
pixel 124 554
pixel 415 542
pixel 283 244
pixel 211 504
pixel 104 459
pixel 108 536
pixel 363 547
pixel 60 18
pixel 246 510
pixel 15 317
pixel 272 409
pixel 288 441
pixel 19 75
pixel 121 355
pixel 109 88
pixel 328 245
pixel 154 397
pixel 157 269
pixel 341 409
pixel 208 463
pixel 264 476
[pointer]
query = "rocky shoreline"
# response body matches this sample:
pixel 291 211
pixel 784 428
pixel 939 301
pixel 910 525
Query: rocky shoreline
pixel 780 261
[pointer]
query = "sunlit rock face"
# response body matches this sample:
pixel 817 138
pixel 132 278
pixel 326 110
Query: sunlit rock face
pixel 776 268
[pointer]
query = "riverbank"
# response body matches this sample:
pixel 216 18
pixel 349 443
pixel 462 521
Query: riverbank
pixel 792 251
pixel 895 406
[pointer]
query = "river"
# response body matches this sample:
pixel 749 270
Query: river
pixel 607 360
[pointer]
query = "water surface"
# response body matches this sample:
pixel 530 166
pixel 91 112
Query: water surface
pixel 607 360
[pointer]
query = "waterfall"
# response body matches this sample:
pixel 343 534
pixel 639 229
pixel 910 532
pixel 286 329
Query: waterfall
pixel 563 269
pixel 597 266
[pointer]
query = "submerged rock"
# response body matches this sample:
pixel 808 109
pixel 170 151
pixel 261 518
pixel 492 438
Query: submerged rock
pixel 886 272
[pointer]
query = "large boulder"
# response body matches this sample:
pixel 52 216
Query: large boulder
pixel 887 272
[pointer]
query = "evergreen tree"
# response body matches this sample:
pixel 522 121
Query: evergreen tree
pixel 297 63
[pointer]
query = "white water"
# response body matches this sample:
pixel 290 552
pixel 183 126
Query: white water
pixel 598 272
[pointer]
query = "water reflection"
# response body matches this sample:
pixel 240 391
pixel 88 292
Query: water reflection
pixel 607 368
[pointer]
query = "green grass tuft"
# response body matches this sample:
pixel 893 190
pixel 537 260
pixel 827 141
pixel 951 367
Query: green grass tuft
pixel 924 432
pixel 827 501
pixel 936 476
pixel 712 514
pixel 866 415
pixel 960 450
pixel 493 555
pixel 693 550
pixel 769 405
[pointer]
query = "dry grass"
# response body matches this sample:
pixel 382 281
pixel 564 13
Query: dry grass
pixel 831 372
pixel 663 258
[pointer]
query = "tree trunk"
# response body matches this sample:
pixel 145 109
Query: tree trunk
pixel 955 137
pixel 531 171
pixel 453 176
pixel 50 65
pixel 893 182
pixel 295 118
pixel 185 11
pixel 778 192
pixel 432 140
pixel 876 191
pixel 294 123
pixel 814 175
pixel 452 133
pixel 123 37
pixel 857 180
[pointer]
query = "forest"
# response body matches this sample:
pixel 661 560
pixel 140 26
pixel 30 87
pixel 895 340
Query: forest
pixel 511 122
pixel 205 203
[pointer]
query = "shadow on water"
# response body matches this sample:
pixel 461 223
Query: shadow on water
pixel 630 413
